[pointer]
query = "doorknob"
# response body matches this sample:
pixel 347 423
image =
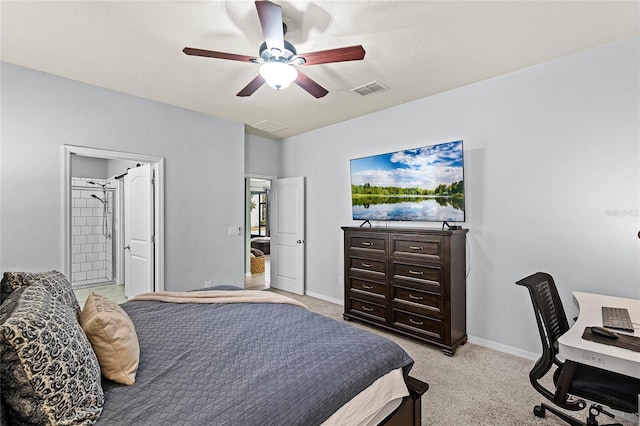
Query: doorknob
pixel 299 241
pixel 127 247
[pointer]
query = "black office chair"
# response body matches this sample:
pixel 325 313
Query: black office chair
pixel 572 379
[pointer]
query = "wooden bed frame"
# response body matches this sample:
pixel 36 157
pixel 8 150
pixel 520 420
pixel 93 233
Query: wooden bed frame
pixel 410 410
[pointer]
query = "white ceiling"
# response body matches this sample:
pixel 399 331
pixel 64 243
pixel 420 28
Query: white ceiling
pixel 416 48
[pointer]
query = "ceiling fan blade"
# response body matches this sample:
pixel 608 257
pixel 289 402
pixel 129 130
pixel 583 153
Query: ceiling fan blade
pixel 218 55
pixel 310 86
pixel 270 15
pixel 252 86
pixel 351 53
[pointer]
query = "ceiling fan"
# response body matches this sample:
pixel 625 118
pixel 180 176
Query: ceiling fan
pixel 278 56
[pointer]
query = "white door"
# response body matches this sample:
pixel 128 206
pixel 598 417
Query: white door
pixel 138 231
pixel 287 234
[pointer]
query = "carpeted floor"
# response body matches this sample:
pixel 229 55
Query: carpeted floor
pixel 477 386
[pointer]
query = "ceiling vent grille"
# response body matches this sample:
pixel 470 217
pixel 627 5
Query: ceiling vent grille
pixel 270 126
pixel 370 88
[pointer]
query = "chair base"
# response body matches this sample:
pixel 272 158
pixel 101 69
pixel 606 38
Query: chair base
pixel 594 410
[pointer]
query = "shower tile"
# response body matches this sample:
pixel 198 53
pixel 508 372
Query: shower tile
pixel 80 221
pixel 75 268
pixel 102 256
pixel 86 266
pixel 91 275
pixel 79 202
pixel 86 211
pixel 76 230
pixel 79 276
pixel 87 248
pixel 86 230
pixel 75 248
pixel 90 239
pixel 80 257
pixel 80 239
pixel 98 247
pixel 92 257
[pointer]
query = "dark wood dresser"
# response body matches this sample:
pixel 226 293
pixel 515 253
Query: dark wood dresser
pixel 409 281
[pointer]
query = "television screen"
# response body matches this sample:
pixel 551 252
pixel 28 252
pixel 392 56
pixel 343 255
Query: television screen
pixel 421 184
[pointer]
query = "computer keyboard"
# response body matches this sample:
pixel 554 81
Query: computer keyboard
pixel 617 318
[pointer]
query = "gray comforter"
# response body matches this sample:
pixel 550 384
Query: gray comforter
pixel 244 364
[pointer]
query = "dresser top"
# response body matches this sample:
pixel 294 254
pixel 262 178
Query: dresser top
pixel 401 230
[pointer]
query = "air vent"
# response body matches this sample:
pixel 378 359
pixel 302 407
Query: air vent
pixel 270 126
pixel 370 88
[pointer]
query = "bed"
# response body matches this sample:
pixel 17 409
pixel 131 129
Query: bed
pixel 214 362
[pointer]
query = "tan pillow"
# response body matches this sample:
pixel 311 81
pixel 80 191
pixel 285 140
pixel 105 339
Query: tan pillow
pixel 113 337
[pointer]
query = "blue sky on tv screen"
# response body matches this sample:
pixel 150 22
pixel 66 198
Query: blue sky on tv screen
pixel 424 168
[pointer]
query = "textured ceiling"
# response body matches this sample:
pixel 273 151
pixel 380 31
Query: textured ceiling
pixel 415 48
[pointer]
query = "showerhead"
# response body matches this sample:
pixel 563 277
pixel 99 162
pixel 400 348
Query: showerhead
pixel 97 198
pixel 98 184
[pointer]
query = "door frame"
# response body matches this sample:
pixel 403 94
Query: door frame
pixel 157 165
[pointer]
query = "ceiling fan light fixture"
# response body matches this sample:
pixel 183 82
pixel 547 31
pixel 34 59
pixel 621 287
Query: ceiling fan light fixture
pixel 278 75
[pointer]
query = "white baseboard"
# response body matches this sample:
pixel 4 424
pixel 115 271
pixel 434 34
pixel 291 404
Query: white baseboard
pixel 325 298
pixel 503 348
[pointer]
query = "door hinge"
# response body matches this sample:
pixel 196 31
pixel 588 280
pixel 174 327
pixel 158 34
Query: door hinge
pixel 153 239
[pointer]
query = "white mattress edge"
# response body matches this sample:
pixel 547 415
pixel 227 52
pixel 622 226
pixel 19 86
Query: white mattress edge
pixel 373 404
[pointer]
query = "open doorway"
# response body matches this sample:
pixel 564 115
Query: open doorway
pixel 258 266
pixel 94 176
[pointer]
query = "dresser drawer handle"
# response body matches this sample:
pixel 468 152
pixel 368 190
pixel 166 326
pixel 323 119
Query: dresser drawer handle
pixel 366 308
pixel 412 272
pixel 411 296
pixel 368 287
pixel 367 243
pixel 416 247
pixel 367 265
pixel 412 321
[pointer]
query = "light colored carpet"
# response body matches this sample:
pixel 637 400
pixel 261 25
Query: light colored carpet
pixel 477 386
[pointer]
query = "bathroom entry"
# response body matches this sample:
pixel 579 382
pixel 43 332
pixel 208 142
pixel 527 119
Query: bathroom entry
pixel 96 212
pixel 94 262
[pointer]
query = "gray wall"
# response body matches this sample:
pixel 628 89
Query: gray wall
pixel 203 173
pixel 552 180
pixel 89 167
pixel 262 156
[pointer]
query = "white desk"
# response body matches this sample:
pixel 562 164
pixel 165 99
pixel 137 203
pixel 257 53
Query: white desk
pixel 573 347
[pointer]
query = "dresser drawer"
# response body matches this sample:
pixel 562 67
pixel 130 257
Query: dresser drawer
pixel 368 309
pixel 430 301
pixel 416 246
pixel 367 244
pixel 430 276
pixel 369 287
pixel 359 264
pixel 429 327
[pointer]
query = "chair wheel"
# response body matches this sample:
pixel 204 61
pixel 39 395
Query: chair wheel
pixel 539 411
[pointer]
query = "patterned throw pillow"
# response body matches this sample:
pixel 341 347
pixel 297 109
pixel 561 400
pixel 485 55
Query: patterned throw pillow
pixel 58 286
pixel 54 281
pixel 48 370
pixel 113 337
pixel 11 281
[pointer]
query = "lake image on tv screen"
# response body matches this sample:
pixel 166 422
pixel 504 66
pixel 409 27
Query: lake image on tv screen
pixel 422 184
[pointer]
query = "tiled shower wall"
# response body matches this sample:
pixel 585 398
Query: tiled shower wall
pixel 92 252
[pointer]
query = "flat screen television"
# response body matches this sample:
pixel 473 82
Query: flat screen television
pixel 421 184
